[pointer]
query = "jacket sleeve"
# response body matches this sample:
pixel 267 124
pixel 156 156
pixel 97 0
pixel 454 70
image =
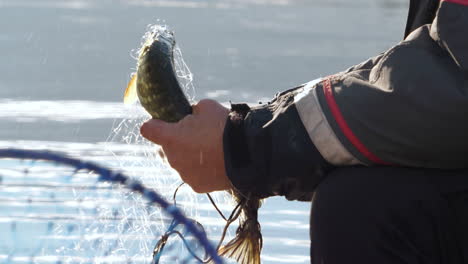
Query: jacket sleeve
pixel 407 106
pixel 404 107
pixel 450 31
pixel 268 150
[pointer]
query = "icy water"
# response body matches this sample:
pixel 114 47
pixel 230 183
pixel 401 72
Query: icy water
pixel 65 64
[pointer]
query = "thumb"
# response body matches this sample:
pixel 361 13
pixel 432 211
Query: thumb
pixel 157 131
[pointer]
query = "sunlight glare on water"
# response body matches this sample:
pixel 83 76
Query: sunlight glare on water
pixel 65 64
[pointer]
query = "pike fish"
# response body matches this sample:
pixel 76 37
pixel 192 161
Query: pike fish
pixel 156 86
pixel 155 83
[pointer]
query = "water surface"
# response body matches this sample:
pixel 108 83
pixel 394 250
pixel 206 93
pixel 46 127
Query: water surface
pixel 65 64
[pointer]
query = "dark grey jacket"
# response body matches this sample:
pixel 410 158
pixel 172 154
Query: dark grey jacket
pixel 405 107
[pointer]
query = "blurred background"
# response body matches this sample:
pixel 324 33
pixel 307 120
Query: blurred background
pixel 64 60
pixel 65 64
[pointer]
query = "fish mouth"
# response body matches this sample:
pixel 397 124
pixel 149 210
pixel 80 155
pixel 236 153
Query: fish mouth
pixel 157 33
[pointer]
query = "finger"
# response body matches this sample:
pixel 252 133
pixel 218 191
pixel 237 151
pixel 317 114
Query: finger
pixel 157 131
pixel 195 109
pixel 203 105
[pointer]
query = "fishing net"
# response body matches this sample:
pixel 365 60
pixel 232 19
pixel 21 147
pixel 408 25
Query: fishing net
pixel 55 209
pixel 51 213
pixel 156 171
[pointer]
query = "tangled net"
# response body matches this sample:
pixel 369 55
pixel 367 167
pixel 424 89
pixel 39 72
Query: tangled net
pixel 143 162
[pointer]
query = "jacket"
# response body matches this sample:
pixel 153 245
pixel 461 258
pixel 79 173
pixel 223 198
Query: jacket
pixel 405 107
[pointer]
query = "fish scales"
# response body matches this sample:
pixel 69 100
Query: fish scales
pixel 157 85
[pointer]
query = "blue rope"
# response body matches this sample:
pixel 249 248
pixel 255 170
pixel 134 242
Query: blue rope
pixel 157 254
pixel 117 177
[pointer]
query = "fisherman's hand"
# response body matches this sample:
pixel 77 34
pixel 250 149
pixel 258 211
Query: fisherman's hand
pixel 194 145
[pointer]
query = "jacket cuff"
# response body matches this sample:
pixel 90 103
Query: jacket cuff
pixel 268 151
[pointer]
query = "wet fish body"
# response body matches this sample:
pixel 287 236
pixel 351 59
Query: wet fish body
pixel 157 86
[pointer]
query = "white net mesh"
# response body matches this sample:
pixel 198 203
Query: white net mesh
pixel 53 215
pixel 156 172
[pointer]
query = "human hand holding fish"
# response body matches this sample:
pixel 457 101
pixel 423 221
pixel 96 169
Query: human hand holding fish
pixel 191 137
pixel 194 146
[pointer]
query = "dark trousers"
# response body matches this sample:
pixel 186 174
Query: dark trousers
pixel 390 215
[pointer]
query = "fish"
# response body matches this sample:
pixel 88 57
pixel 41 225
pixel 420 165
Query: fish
pixel 155 83
pixel 156 86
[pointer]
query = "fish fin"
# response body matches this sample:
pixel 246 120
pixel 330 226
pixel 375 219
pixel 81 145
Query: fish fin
pixel 131 95
pixel 245 248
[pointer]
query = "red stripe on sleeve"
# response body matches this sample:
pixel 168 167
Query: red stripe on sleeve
pixel 460 2
pixel 335 110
